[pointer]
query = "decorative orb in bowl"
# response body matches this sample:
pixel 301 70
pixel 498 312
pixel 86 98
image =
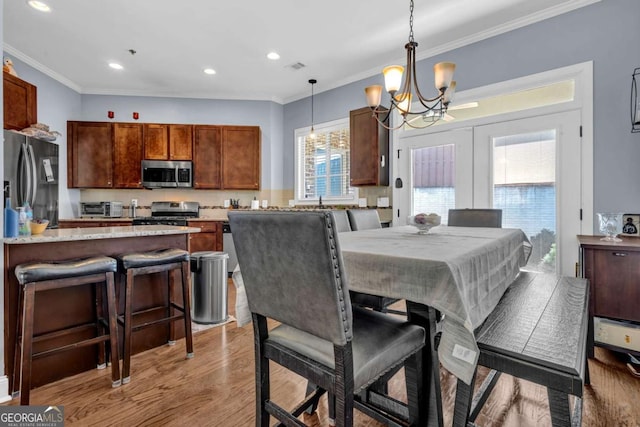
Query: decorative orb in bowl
pixel 38 226
pixel 424 222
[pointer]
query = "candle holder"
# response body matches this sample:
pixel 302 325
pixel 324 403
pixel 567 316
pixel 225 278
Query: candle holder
pixel 610 226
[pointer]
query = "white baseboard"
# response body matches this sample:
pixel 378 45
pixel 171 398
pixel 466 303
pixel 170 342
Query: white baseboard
pixel 4 389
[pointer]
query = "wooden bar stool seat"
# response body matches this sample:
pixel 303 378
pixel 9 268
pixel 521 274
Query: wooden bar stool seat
pixel 141 263
pixel 45 276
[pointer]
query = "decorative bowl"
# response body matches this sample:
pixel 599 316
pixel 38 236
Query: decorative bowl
pixel 424 222
pixel 38 226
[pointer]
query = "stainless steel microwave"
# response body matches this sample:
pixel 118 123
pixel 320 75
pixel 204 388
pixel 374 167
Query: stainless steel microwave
pixel 101 209
pixel 166 174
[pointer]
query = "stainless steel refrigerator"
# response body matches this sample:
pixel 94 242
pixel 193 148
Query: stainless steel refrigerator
pixel 31 175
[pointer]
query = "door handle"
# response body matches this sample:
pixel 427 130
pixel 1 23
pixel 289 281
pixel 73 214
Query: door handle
pixel 23 184
pixel 34 175
pixel 621 254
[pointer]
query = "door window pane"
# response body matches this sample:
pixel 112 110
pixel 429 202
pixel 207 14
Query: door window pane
pixel 434 180
pixel 524 187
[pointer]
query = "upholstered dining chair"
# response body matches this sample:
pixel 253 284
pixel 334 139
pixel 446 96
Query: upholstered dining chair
pixel 341 219
pixel 475 218
pixel 363 219
pixel 293 273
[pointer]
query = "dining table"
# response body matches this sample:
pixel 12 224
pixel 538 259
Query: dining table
pixel 451 278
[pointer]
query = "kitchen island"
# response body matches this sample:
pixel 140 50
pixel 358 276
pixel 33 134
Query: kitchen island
pixel 75 306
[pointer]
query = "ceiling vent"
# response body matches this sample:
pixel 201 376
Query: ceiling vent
pixel 297 66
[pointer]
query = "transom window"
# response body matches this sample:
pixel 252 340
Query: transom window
pixel 322 163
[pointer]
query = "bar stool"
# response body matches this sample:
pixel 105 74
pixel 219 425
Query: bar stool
pixel 44 276
pixel 136 264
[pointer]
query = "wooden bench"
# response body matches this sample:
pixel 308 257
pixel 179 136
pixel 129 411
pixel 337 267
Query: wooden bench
pixel 537 332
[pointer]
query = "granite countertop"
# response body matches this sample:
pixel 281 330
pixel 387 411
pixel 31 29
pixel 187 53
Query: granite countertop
pixel 97 218
pixel 93 233
pixel 222 216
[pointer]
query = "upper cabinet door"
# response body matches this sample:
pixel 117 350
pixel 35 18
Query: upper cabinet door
pixel 127 140
pixel 207 161
pixel 20 103
pixel 89 155
pixel 241 157
pixel 168 142
pixel 180 142
pixel 369 149
pixel 156 141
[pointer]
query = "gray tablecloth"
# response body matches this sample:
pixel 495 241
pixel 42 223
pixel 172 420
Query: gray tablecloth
pixel 461 271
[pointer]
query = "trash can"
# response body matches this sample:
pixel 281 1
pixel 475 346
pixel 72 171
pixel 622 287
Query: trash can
pixel 209 287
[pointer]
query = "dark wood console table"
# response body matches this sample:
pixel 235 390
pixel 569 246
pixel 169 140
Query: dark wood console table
pixel 613 270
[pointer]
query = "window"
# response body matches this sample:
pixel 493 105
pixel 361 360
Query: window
pixel 322 164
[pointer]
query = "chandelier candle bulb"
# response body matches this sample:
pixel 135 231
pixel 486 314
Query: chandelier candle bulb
pixel 374 95
pixel 448 94
pixel 393 77
pixel 404 103
pixel 443 74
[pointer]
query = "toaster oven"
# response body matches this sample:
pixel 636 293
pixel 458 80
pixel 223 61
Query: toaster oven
pixel 101 209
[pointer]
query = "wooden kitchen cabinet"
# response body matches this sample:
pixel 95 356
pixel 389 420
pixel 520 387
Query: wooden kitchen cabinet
pixel 207 145
pixel 168 142
pixel 241 157
pixel 89 155
pixel 127 152
pixel 74 223
pixel 20 102
pixel 209 238
pixel 369 149
pixel 226 157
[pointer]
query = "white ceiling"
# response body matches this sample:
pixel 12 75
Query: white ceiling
pixel 338 41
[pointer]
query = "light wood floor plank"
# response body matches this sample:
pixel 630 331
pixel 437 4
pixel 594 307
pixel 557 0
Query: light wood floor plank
pixel 216 388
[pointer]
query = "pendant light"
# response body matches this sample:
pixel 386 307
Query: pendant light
pixel 403 94
pixel 312 134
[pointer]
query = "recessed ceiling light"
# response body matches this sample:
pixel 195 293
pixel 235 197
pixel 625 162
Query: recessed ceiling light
pixel 38 5
pixel 273 56
pixel 209 71
pixel 115 66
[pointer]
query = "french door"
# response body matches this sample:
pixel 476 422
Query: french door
pixel 530 168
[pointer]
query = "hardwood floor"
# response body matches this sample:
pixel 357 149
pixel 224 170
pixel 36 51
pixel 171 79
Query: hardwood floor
pixel 216 388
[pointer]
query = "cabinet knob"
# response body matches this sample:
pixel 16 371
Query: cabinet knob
pixel 619 254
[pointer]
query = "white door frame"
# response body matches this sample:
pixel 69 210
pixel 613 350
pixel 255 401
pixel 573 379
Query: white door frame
pixel 568 202
pixel 462 139
pixel 581 74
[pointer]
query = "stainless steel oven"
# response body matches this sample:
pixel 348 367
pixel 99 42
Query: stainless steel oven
pixel 169 213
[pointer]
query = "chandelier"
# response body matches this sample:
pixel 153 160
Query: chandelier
pixel 430 109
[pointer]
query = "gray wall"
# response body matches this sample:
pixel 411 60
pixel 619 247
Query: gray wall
pixel 606 33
